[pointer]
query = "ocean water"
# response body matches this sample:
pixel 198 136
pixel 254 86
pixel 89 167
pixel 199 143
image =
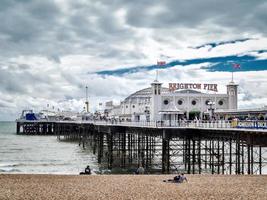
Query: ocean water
pixel 41 154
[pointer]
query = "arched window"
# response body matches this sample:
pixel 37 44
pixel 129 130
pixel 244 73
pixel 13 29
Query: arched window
pixel 166 102
pixel 180 102
pixel 194 102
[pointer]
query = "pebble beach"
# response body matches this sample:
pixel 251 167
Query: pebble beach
pixel 19 186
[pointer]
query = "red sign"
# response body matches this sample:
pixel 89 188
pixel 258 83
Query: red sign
pixel 196 86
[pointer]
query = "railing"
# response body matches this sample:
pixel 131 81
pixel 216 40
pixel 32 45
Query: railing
pixel 218 124
pixel 190 124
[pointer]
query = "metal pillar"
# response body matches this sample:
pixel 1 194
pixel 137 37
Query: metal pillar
pixel 199 156
pixel 165 153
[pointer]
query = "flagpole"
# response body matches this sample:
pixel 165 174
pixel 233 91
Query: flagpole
pixel 232 75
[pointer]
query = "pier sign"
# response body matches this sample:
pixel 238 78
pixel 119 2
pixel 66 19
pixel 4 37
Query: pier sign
pixel 196 86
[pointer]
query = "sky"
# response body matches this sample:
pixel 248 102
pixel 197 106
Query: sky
pixel 50 50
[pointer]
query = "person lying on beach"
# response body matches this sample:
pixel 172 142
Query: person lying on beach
pixel 177 179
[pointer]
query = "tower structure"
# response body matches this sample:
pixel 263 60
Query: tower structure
pixel 155 100
pixel 232 94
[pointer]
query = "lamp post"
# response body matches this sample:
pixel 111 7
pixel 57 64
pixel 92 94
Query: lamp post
pixel 211 109
pixel 86 101
pixel 147 113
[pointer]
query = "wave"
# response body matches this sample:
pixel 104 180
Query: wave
pixel 9 164
pixel 34 164
pixel 8 169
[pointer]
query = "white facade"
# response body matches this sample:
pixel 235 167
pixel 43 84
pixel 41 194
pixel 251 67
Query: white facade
pixel 158 103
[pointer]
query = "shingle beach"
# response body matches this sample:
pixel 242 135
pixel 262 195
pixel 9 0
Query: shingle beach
pixel 17 186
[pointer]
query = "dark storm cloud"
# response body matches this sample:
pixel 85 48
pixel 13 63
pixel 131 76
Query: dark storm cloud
pixel 45 28
pixel 241 15
pixel 28 27
pixel 28 20
pixel 89 27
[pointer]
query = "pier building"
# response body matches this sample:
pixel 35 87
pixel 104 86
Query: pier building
pixel 178 101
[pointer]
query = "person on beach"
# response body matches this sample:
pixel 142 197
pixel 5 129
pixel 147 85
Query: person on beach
pixel 87 170
pixel 140 170
pixel 183 178
pixel 177 179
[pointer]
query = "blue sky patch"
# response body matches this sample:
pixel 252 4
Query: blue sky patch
pixel 215 44
pixel 247 62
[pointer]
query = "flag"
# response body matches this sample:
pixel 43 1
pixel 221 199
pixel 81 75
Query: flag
pixel 236 66
pixel 161 63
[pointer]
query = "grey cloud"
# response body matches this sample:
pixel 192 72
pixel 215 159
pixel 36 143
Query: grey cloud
pixel 89 27
pixel 44 28
pixel 19 80
pixel 243 15
pixel 248 96
pixel 28 20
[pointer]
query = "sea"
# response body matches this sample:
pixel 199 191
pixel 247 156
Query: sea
pixel 41 154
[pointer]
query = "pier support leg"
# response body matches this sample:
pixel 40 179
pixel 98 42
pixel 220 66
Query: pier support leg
pixel 100 147
pixel 165 153
pixel 193 156
pixel 199 155
pixel 18 128
pixel 260 161
pixel 230 156
pixel 110 150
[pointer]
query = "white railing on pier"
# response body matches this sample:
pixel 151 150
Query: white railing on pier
pixel 218 124
pixel 123 123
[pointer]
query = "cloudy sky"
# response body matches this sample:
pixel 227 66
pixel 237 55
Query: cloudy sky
pixel 51 49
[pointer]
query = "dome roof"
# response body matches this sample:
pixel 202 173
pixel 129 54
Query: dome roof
pixel 188 91
pixel 147 92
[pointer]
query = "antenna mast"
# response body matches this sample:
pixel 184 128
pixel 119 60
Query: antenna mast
pixel 86 101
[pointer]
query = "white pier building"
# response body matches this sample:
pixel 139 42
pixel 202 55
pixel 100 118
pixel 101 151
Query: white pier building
pixel 179 101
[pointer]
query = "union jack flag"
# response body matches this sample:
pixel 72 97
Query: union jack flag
pixel 161 63
pixel 236 66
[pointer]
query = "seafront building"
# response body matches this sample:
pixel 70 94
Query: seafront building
pixel 179 101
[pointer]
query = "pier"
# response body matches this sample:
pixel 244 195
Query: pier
pixel 191 147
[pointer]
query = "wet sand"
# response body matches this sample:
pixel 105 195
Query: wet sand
pixel 131 187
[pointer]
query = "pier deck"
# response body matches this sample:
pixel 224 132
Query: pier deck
pixel 210 147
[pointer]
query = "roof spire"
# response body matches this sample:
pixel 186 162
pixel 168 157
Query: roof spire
pixel 157 74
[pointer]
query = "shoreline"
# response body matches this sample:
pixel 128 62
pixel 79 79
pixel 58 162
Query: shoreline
pixel 57 186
